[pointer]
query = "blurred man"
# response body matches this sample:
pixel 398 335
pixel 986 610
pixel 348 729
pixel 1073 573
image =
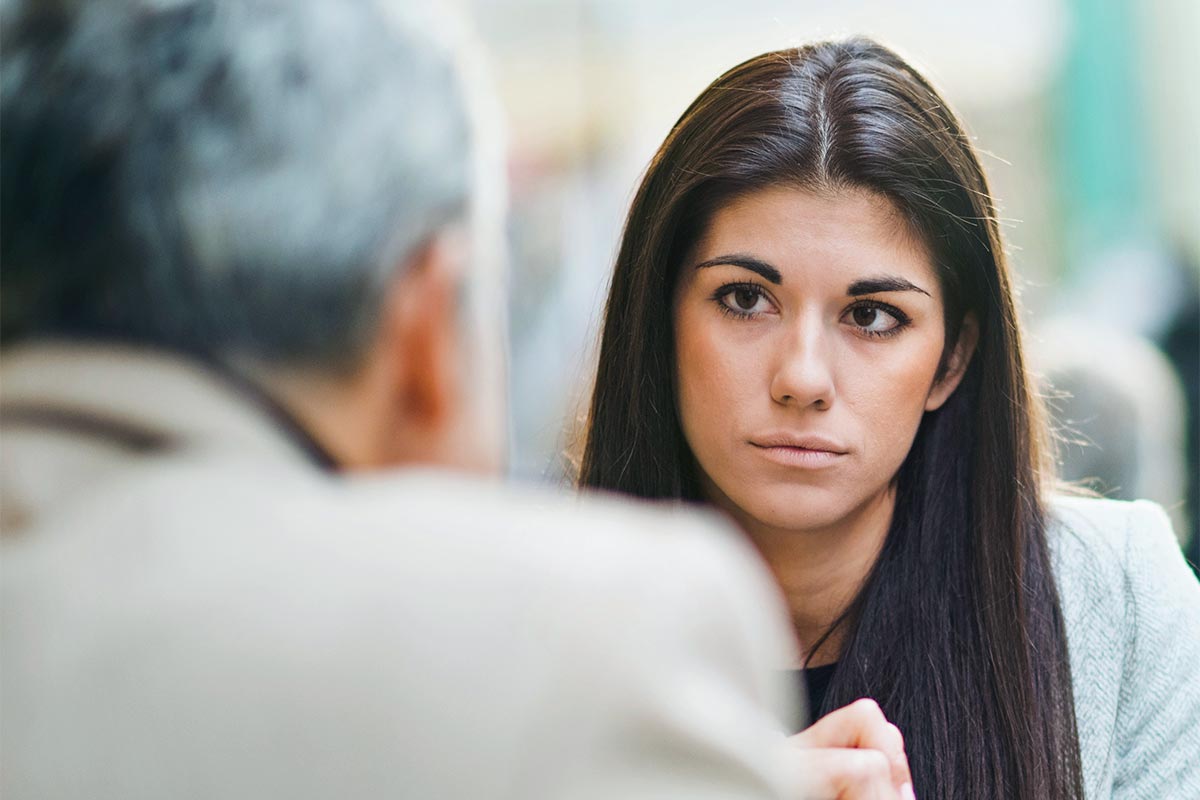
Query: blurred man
pixel 250 265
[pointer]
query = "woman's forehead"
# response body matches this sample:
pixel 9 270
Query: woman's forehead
pixel 840 235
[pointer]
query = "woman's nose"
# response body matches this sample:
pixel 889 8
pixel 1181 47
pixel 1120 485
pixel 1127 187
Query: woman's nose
pixel 803 374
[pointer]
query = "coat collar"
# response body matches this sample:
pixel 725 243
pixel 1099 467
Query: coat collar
pixel 141 398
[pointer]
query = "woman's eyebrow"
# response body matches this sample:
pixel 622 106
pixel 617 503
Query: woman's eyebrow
pixel 884 283
pixel 745 262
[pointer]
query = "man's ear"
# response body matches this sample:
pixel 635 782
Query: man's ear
pixel 422 332
pixel 956 367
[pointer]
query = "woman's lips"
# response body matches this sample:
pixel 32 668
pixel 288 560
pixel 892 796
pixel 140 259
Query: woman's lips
pixel 806 452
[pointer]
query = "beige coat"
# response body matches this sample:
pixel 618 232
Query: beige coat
pixel 190 609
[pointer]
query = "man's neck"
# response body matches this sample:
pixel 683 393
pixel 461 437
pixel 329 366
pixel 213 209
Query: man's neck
pixel 333 414
pixel 821 570
pixel 284 416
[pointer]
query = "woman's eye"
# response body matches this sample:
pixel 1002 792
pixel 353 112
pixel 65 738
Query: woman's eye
pixel 872 319
pixel 745 300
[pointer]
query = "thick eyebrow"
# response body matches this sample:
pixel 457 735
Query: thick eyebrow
pixel 745 262
pixel 884 283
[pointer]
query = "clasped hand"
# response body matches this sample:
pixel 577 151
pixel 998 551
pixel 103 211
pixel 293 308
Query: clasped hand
pixel 853 753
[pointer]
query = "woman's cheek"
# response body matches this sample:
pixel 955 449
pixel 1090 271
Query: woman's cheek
pixel 894 403
pixel 713 378
pixel 704 394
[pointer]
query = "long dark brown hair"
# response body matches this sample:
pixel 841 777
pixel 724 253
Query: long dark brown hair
pixel 957 631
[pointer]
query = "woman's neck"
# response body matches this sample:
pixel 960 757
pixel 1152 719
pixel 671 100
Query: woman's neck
pixel 821 570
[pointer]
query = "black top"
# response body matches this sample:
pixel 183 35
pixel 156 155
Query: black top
pixel 815 682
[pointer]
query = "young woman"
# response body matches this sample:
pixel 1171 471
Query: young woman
pixel 812 327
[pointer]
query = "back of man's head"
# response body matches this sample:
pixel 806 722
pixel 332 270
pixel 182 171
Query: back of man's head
pixel 237 178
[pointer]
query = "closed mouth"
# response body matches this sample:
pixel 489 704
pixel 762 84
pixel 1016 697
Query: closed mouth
pixel 811 444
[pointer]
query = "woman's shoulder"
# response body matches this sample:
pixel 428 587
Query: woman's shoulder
pixel 1131 607
pixel 1094 520
pixel 1103 553
pixel 1099 540
pixel 1117 557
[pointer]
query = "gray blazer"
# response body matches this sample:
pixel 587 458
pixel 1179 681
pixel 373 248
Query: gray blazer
pixel 211 617
pixel 1132 610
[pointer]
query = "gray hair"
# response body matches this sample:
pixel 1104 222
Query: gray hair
pixel 235 177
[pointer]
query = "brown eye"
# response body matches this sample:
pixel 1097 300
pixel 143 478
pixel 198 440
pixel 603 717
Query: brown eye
pixel 875 320
pixel 745 299
pixel 864 316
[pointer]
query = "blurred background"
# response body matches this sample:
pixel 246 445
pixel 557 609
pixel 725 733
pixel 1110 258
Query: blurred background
pixel 1088 115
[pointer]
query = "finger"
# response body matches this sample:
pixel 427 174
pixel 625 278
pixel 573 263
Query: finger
pixel 844 774
pixel 860 725
pixel 897 756
pixel 855 725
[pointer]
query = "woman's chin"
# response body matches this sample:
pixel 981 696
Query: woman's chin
pixel 799 510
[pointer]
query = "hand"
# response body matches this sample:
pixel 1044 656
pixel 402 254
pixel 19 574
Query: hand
pixel 853 753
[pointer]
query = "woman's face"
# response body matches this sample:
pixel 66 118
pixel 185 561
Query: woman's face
pixel 808 331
